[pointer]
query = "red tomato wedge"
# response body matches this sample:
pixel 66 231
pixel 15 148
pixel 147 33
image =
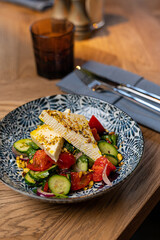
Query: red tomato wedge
pixel 41 161
pixel 110 168
pixel 66 160
pixel 98 168
pixel 94 123
pixel 97 174
pixel 80 182
pixel 95 134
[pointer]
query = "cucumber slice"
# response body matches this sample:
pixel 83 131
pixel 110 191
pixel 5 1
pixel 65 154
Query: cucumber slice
pixel 29 180
pixel 40 175
pixel 22 145
pixel 106 137
pixel 82 163
pixel 107 148
pixel 32 174
pixel 113 139
pixel 52 169
pixel 33 145
pixel 59 184
pixel 112 159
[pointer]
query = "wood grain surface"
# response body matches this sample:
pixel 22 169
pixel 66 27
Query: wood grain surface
pixel 130 39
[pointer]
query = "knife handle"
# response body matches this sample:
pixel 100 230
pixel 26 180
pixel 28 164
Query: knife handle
pixel 139 101
pixel 140 92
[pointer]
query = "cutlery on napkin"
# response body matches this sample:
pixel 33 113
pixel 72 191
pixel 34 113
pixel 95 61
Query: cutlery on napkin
pixel 72 84
pixel 100 84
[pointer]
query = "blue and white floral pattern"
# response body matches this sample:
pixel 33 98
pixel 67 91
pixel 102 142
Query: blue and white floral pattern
pixel 18 124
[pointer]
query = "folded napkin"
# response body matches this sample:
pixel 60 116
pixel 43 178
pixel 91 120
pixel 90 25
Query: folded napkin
pixel 38 5
pixel 72 84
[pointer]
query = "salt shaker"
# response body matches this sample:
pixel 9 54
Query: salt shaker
pixel 61 9
pixel 78 16
pixel 94 10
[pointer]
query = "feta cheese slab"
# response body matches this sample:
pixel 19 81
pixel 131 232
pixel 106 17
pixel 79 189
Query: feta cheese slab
pixel 46 138
pixel 74 128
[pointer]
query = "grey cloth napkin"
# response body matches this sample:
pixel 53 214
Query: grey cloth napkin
pixel 72 84
pixel 38 5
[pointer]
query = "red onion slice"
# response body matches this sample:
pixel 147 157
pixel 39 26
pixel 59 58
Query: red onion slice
pixel 104 176
pixel 41 193
pixel 24 158
pixel 16 153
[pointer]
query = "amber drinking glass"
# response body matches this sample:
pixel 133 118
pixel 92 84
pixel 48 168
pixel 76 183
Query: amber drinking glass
pixel 53 44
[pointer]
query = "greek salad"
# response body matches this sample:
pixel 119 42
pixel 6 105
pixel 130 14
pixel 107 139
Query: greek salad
pixel 73 170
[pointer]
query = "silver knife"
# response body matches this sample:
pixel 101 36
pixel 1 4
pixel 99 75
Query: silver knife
pixel 99 83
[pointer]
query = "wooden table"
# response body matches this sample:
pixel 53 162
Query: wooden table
pixel 131 40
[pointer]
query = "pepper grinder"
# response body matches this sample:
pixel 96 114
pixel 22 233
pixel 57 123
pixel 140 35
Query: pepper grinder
pixel 61 9
pixel 78 16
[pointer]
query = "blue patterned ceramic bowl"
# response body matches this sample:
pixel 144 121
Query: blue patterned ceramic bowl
pixel 20 122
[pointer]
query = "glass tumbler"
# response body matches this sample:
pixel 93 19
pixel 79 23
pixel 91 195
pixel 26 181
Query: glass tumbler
pixel 53 44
